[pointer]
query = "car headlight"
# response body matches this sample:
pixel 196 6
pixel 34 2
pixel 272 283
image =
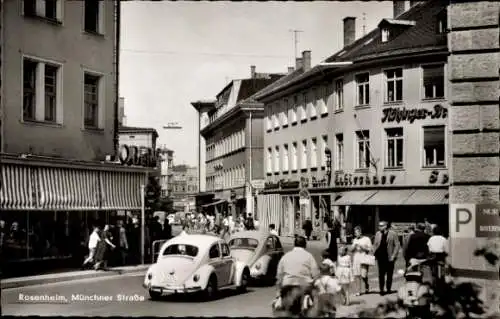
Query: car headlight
pixel 257 266
pixel 196 278
pixel 150 276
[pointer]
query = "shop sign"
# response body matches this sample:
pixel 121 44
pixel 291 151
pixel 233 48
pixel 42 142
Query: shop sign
pixel 437 177
pixel 399 114
pixel 363 179
pixel 138 156
pixel 258 183
pixel 475 220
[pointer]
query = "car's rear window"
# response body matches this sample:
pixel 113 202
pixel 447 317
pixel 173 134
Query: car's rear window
pixel 247 243
pixel 180 249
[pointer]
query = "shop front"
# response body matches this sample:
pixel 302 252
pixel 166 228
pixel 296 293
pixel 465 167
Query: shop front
pixel 48 208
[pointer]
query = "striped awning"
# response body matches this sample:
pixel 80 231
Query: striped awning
pixel 357 197
pixel 269 210
pixel 428 197
pixel 121 190
pixel 16 187
pixel 390 197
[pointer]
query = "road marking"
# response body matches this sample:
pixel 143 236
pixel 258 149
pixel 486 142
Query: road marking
pixel 77 281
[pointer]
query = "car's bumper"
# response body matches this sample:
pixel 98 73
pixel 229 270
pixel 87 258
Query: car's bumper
pixel 167 290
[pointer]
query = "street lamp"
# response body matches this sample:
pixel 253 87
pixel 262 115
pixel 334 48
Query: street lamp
pixel 172 126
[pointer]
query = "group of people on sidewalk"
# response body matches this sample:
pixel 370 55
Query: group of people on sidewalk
pixel 343 266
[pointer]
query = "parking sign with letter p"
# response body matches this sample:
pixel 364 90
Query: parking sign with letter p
pixel 462 220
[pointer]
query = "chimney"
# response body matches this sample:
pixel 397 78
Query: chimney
pixel 349 30
pixel 298 63
pixel 399 7
pixel 252 71
pixel 290 69
pixel 306 60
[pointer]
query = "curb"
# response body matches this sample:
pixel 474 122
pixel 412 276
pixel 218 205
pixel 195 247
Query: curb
pixel 70 276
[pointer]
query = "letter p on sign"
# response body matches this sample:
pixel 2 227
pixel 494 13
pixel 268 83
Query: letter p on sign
pixel 463 220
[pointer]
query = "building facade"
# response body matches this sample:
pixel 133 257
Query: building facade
pixel 233 139
pixel 184 187
pixel 166 173
pixel 363 135
pixel 58 98
pixel 138 136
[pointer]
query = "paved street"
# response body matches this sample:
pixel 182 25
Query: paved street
pixel 256 302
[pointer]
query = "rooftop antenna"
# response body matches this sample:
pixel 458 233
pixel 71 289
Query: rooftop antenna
pixel 364 23
pixel 295 40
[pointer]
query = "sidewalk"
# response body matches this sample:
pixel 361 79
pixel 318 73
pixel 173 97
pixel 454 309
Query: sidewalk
pixel 69 276
pixel 369 301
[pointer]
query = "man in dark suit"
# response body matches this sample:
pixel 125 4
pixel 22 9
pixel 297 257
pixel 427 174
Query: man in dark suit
pixel 386 247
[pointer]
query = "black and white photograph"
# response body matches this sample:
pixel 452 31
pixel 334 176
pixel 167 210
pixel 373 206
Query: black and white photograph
pixel 250 158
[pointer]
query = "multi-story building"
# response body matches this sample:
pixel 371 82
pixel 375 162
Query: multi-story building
pixel 184 187
pixel 58 105
pixel 233 139
pixel 166 173
pixel 138 136
pixel 363 135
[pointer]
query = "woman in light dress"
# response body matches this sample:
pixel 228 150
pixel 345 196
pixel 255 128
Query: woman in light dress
pixel 362 247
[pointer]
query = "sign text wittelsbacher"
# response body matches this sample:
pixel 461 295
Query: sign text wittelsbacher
pixel 363 179
pixel 399 114
pixel 139 156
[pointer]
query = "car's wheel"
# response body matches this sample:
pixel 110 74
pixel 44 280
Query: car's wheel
pixel 155 295
pixel 245 278
pixel 211 290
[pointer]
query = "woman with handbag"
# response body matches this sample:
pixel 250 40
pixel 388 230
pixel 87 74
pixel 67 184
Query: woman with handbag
pixel 362 259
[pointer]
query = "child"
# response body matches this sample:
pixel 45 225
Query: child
pixel 344 273
pixel 327 287
pixel 327 261
pixel 272 230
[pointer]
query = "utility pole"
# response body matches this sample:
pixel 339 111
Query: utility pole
pixel 295 40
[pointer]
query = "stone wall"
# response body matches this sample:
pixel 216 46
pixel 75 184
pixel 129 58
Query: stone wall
pixel 474 126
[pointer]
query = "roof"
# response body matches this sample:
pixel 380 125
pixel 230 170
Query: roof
pixel 417 34
pixel 203 242
pixel 420 32
pixel 255 234
pixel 201 104
pixel 249 87
pixel 132 129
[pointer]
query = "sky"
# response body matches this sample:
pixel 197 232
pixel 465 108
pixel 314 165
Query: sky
pixel 174 53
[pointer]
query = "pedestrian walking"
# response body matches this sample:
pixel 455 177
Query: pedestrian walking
pixel 122 243
pixel 406 239
pixel 332 236
pixel 386 247
pixel 344 273
pixel 272 230
pixel 225 227
pixel 308 227
pixel 103 249
pixel 361 260
pixel 328 287
pixel 94 240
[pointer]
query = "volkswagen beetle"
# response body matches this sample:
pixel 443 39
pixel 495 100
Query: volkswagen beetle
pixel 195 263
pixel 260 251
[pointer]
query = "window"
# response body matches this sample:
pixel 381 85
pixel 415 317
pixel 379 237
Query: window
pixel 303 160
pixel 49 9
pixel 363 84
pixel 225 250
pixel 324 143
pixel 363 149
pixel 285 158
pixel 43 80
pixel 29 89
pixel 314 152
pixel 324 100
pixel 244 243
pixel 178 249
pixel 284 113
pixel 442 22
pixel 433 81
pixel 395 145
pixel 269 160
pixel 214 251
pixel 50 92
pixel 294 156
pixel 91 101
pixel 385 34
pixel 394 85
pixel 303 108
pixel 94 10
pixel 434 146
pixel 314 102
pixel 339 95
pixel 339 159
pixel 293 110
pixel 277 159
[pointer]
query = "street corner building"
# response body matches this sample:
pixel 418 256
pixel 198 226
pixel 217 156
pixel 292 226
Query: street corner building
pixel 59 131
pixel 363 134
pixel 232 131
